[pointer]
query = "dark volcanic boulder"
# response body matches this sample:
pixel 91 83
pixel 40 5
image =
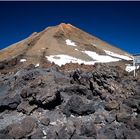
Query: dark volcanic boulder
pixel 112 105
pixel 3 89
pixel 77 90
pixel 131 134
pixel 76 106
pixel 28 124
pixel 26 108
pixel 65 132
pixel 137 123
pixel 47 99
pixel 51 134
pixel 88 129
pixel 42 87
pixel 21 130
pixel 132 102
pixel 38 134
pixel 26 92
pixel 16 131
pixel 122 117
pixel 1 65
pixel 45 121
pixel 9 101
pixel 4 134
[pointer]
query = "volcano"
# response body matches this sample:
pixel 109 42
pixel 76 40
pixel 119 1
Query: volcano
pixel 61 44
pixel 63 83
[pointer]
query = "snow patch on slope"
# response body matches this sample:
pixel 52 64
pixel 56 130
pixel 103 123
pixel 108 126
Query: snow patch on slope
pixel 37 65
pixel 117 55
pixel 23 60
pixel 63 59
pixel 101 58
pixel 70 43
pixel 76 49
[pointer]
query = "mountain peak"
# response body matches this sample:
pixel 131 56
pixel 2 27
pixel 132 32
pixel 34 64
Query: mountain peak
pixel 64 26
pixel 61 44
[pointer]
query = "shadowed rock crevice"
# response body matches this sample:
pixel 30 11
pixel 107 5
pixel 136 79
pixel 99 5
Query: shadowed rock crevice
pixel 51 104
pixel 9 103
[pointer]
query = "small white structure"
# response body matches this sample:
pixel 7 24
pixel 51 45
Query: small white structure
pixel 137 58
pixel 134 66
pixel 136 62
pixel 130 68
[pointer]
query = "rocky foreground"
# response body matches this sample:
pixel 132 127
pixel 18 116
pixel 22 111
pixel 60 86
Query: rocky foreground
pixel 48 103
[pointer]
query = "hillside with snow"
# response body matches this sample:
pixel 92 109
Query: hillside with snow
pixel 60 45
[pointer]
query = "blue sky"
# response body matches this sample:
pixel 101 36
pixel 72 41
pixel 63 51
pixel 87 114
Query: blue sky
pixel 117 23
